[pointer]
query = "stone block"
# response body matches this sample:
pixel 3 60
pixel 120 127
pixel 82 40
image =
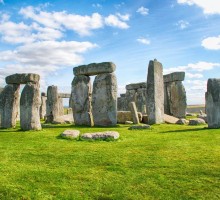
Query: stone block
pixel 22 78
pixel 134 113
pixel 175 76
pixel 135 86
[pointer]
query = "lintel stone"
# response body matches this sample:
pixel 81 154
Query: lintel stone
pixel 175 76
pixel 22 78
pixel 135 86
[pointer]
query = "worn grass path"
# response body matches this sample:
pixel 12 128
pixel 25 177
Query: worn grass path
pixel 167 162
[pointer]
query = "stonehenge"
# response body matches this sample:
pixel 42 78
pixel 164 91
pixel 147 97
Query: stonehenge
pixel 97 106
pixel 212 97
pixel 29 102
pixel 155 93
pixel 174 94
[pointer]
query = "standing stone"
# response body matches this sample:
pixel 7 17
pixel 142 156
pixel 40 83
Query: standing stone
pixel 213 103
pixel 134 113
pixel 1 90
pixel 141 100
pixel 30 107
pixel 9 105
pixel 61 108
pixel 155 93
pixel 81 96
pixel 174 95
pixel 104 100
pixel 22 78
pixel 131 96
pixel 43 107
pixel 52 111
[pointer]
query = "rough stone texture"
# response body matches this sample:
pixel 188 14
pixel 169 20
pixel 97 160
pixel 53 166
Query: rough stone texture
pixel 141 100
pixel 64 95
pixel 130 96
pixel 52 111
pixel 213 103
pixel 135 86
pixel 175 76
pixel 197 121
pixel 71 133
pixel 94 69
pixel 175 99
pixel 104 100
pixel 101 135
pixel 182 121
pixel 9 105
pixel 22 78
pixel 170 119
pixel 61 108
pixel 134 113
pixel 145 119
pixel 81 96
pixel 203 116
pixel 122 103
pixel 30 107
pixel 155 93
pixel 123 116
pixel 1 90
pixel 140 116
pixel 64 119
pixel 43 107
pixel 144 126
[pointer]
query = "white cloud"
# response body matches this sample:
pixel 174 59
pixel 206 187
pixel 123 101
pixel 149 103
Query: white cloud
pixel 192 75
pixel 59 20
pixel 144 41
pixel 143 11
pixel 208 6
pixel 125 17
pixel 212 43
pixel 182 24
pixel 114 21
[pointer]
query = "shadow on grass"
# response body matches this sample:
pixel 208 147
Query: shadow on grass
pixel 187 130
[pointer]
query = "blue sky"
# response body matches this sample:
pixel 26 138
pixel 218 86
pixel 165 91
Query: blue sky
pixel 52 37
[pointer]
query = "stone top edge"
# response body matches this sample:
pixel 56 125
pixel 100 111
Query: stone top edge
pixel 22 78
pixel 174 76
pixel 134 86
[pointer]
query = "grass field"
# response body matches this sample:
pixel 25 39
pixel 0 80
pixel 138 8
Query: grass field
pixel 166 162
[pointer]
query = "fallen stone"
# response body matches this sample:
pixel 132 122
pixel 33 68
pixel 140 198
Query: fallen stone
pixel 94 69
pixel 203 116
pixel 196 121
pixel 123 116
pixel 22 78
pixel 128 122
pixel 134 113
pixel 175 76
pixel 101 135
pixel 64 119
pixel 170 119
pixel 182 121
pixel 70 133
pixel 144 126
pixel 135 86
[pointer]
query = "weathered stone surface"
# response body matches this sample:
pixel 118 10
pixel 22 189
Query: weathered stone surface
pixel 182 121
pixel 81 98
pixel 122 95
pixel 71 133
pixel 22 78
pixel 141 100
pixel 143 126
pixel 175 99
pixel 30 107
pixel 196 121
pixel 101 135
pixel 203 116
pixel 145 119
pixel 121 104
pixel 9 105
pixel 123 116
pixel 61 108
pixel 64 119
pixel 170 119
pixel 134 113
pixel 130 96
pixel 135 86
pixel 175 76
pixel 64 95
pixel 94 69
pixel 155 93
pixel 43 107
pixel 1 90
pixel 52 111
pixel 104 100
pixel 213 103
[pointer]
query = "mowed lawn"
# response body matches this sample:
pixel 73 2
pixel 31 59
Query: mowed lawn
pixel 166 162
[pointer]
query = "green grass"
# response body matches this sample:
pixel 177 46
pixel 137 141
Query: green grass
pixel 166 162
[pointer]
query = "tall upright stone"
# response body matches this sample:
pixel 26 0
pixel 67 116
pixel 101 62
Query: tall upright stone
pixel 52 111
pixel 104 100
pixel 155 93
pixel 213 103
pixel 43 106
pixel 61 108
pixel 30 107
pixel 141 100
pixel 175 95
pixel 81 96
pixel 1 90
pixel 9 105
